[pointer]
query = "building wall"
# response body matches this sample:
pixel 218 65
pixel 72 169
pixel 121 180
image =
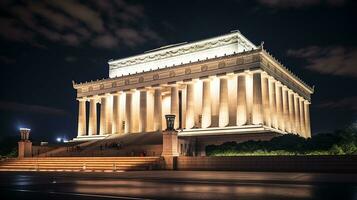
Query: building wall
pixel 340 164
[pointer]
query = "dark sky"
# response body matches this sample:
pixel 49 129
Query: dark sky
pixel 47 44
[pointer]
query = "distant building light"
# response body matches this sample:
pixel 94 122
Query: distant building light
pixel 59 139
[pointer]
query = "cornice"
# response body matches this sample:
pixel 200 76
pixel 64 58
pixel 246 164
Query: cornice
pixel 183 49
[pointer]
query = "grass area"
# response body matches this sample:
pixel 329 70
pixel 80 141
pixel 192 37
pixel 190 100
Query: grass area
pixel 343 142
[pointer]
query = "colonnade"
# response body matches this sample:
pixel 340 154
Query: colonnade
pixel 229 100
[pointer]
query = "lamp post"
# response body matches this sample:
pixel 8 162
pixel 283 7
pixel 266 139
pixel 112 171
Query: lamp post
pixel 170 143
pixel 25 133
pixel 170 121
pixel 24 145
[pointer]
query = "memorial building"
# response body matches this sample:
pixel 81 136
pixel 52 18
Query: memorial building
pixel 220 89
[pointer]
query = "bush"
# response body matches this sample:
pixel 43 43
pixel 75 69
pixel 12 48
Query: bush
pixel 342 142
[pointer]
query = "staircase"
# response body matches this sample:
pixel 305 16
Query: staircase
pixel 81 164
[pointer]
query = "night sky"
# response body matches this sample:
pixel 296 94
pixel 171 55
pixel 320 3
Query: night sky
pixel 47 44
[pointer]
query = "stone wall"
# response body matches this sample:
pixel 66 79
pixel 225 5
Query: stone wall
pixel 337 164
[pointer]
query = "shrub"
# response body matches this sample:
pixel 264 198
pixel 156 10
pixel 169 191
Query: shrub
pixel 342 142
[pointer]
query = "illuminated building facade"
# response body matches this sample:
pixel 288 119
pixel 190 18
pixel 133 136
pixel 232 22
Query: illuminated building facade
pixel 220 88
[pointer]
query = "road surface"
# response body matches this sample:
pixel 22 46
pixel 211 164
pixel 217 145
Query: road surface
pixel 177 185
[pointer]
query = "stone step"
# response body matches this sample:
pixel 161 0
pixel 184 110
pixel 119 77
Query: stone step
pixel 77 164
pixel 88 158
pixel 79 167
pixel 84 161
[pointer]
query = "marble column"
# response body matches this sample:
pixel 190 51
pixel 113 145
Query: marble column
pixel 279 105
pixel 143 111
pixel 249 95
pixel 291 112
pixel 128 112
pixel 92 127
pixel 150 109
pixel 206 104
pixel 265 100
pixel 117 129
pixel 307 119
pixel 241 101
pixel 175 105
pixel 103 116
pixel 82 117
pixel 302 117
pixel 109 111
pixel 297 114
pixel 286 116
pixel 272 103
pixel 157 110
pixel 190 106
pixel 257 111
pixel 232 99
pixel 223 103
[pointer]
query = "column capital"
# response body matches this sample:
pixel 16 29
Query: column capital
pixel 116 93
pixel 172 84
pixel 278 83
pixel 129 91
pixel 256 71
pixel 231 74
pixel 222 76
pixel 156 86
pixel 265 75
pixel 271 78
pixel 290 91
pixel 247 71
pixel 206 79
pixel 140 89
pixel 81 99
pixel 95 97
pixel 103 95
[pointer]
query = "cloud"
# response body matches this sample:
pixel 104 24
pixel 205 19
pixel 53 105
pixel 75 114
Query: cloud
pixel 103 24
pixel 18 107
pixel 349 103
pixel 81 12
pixel 105 41
pixel 10 30
pixel 299 3
pixel 333 60
pixel 130 36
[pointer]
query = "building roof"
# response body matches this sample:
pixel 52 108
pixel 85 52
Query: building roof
pixel 181 53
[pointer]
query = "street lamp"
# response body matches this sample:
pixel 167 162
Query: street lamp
pixel 170 121
pixel 25 133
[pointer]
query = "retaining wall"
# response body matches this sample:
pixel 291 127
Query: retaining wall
pixel 337 164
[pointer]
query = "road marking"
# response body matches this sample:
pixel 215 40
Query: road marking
pixel 82 194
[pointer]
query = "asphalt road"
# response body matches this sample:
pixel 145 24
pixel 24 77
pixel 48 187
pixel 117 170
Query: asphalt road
pixel 177 185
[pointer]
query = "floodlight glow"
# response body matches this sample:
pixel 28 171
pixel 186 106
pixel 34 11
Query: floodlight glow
pixel 59 139
pixel 25 129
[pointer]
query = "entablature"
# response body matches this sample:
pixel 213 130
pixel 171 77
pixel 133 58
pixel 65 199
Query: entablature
pixel 252 60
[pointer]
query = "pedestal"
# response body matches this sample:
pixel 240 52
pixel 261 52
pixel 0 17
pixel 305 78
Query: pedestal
pixel 25 148
pixel 169 149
